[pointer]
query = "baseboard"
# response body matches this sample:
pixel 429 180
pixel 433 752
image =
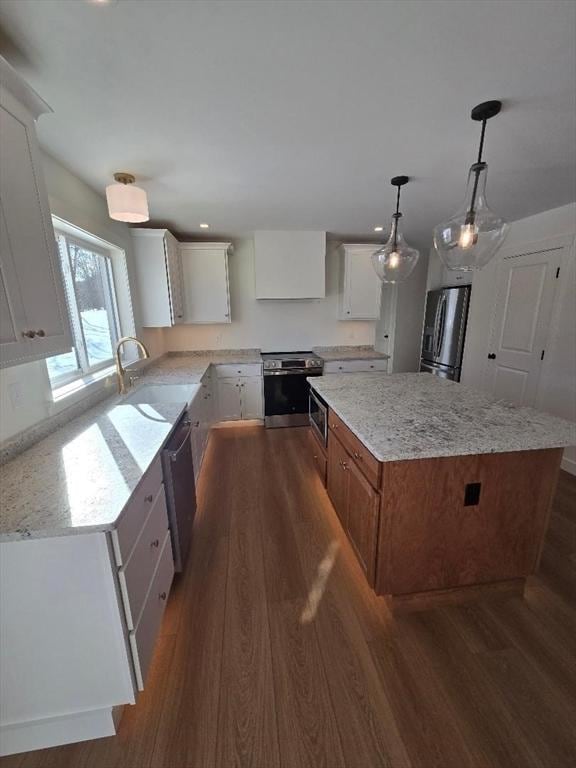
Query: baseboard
pixel 568 465
pixel 439 598
pixel 55 731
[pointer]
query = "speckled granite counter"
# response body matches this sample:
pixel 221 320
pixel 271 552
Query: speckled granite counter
pixel 417 416
pixel 329 354
pixel 79 478
pixel 189 367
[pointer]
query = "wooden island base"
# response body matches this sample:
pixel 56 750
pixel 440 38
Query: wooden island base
pixel 436 598
pixel 429 532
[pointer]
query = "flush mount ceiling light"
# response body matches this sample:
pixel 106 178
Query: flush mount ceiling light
pixel 395 261
pixel 472 236
pixel 127 202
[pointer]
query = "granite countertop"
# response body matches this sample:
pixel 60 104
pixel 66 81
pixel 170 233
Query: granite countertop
pixel 190 367
pixel 417 416
pixel 79 478
pixel 329 354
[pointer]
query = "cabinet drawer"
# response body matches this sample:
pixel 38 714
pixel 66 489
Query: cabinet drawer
pixel 318 455
pixel 136 512
pixel 356 366
pixel 143 639
pixel 242 369
pixel 361 456
pixel 136 575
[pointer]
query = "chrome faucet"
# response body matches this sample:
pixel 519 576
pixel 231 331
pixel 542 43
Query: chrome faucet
pixel 120 370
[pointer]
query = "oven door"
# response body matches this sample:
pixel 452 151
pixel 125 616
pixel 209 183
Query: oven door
pixel 286 398
pixel 318 415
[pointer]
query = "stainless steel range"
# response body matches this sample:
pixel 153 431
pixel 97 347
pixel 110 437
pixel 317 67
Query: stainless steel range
pixel 285 386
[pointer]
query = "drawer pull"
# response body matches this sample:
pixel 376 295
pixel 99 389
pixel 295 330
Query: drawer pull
pixel 155 543
pixel 162 595
pixel 149 498
pixel 334 426
pixel 315 456
pixel 357 455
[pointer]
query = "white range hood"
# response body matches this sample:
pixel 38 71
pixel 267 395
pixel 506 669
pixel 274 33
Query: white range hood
pixel 290 265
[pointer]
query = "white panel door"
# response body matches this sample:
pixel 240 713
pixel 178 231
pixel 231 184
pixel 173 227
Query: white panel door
pixel 229 403
pixel 205 279
pixel 32 294
pixel 361 288
pixel 252 398
pixel 524 300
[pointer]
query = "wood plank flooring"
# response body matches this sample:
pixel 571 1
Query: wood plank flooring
pixel 274 652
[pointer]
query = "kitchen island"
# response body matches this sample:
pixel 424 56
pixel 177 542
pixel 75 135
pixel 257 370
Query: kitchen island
pixel 444 493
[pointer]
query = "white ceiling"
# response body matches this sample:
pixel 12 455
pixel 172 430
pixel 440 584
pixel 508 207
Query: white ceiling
pixel 294 114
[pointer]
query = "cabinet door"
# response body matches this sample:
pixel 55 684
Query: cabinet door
pixel 252 401
pixel 150 259
pixel 31 287
pixel 338 462
pixel 205 280
pixel 361 288
pixel 174 272
pixel 229 401
pixel 362 519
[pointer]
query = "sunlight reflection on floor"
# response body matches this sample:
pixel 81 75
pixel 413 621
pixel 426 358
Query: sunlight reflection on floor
pixel 317 589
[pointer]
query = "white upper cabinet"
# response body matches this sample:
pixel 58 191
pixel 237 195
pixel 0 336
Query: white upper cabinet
pixel 33 315
pixel 360 287
pixel 290 265
pixel 159 277
pixel 205 282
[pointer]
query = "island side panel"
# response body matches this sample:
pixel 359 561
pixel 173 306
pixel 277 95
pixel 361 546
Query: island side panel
pixel 430 540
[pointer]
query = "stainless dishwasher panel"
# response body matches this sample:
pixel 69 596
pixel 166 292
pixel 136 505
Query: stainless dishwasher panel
pixel 178 469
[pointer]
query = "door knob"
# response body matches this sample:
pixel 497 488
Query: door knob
pixel 491 356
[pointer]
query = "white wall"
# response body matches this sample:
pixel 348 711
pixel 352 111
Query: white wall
pixel 270 324
pixel 557 390
pixel 25 393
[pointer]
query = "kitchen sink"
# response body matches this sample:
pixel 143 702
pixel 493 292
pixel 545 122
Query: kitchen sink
pixel 162 393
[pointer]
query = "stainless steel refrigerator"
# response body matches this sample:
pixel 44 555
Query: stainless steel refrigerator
pixel 444 331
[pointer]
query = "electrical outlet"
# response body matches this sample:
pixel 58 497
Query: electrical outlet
pixel 15 394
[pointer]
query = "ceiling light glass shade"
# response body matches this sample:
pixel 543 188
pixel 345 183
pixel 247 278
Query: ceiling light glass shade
pixel 395 261
pixel 127 202
pixel 472 236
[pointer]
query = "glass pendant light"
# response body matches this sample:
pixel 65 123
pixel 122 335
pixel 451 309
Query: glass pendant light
pixel 473 235
pixel 395 261
pixel 127 202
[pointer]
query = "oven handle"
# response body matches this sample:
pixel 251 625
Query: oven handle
pixel 293 372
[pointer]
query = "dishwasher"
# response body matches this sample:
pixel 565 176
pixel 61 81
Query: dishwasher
pixel 178 471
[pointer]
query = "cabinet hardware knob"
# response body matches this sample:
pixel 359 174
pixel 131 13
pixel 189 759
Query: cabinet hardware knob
pixel 315 456
pixel 385 335
pixel 356 455
pixel 227 314
pixel 491 356
pixel 162 595
pixel 334 426
pixel 196 423
pixel 149 498
pixel 29 334
pixel 41 333
pixel 179 315
pixel 155 543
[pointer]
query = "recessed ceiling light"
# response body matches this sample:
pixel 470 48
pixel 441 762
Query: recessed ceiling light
pixel 204 226
pixel 378 229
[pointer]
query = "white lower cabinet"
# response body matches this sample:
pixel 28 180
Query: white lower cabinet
pixel 79 620
pixel 143 638
pixel 240 398
pixel 356 366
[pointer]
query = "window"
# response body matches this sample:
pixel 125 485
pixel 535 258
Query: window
pixel 89 284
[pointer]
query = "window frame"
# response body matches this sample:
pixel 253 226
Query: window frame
pixel 85 369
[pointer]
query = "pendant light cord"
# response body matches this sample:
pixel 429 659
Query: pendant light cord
pixel 397 215
pixel 470 215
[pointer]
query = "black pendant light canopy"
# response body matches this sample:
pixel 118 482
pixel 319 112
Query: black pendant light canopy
pixel 395 260
pixel 472 236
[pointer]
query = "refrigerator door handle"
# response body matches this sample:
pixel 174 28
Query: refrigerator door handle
pixel 435 337
pixel 441 325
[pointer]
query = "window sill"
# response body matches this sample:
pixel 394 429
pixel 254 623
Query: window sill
pixel 82 385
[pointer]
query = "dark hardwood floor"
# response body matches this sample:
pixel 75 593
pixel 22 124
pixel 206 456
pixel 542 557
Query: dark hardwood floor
pixel 274 652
